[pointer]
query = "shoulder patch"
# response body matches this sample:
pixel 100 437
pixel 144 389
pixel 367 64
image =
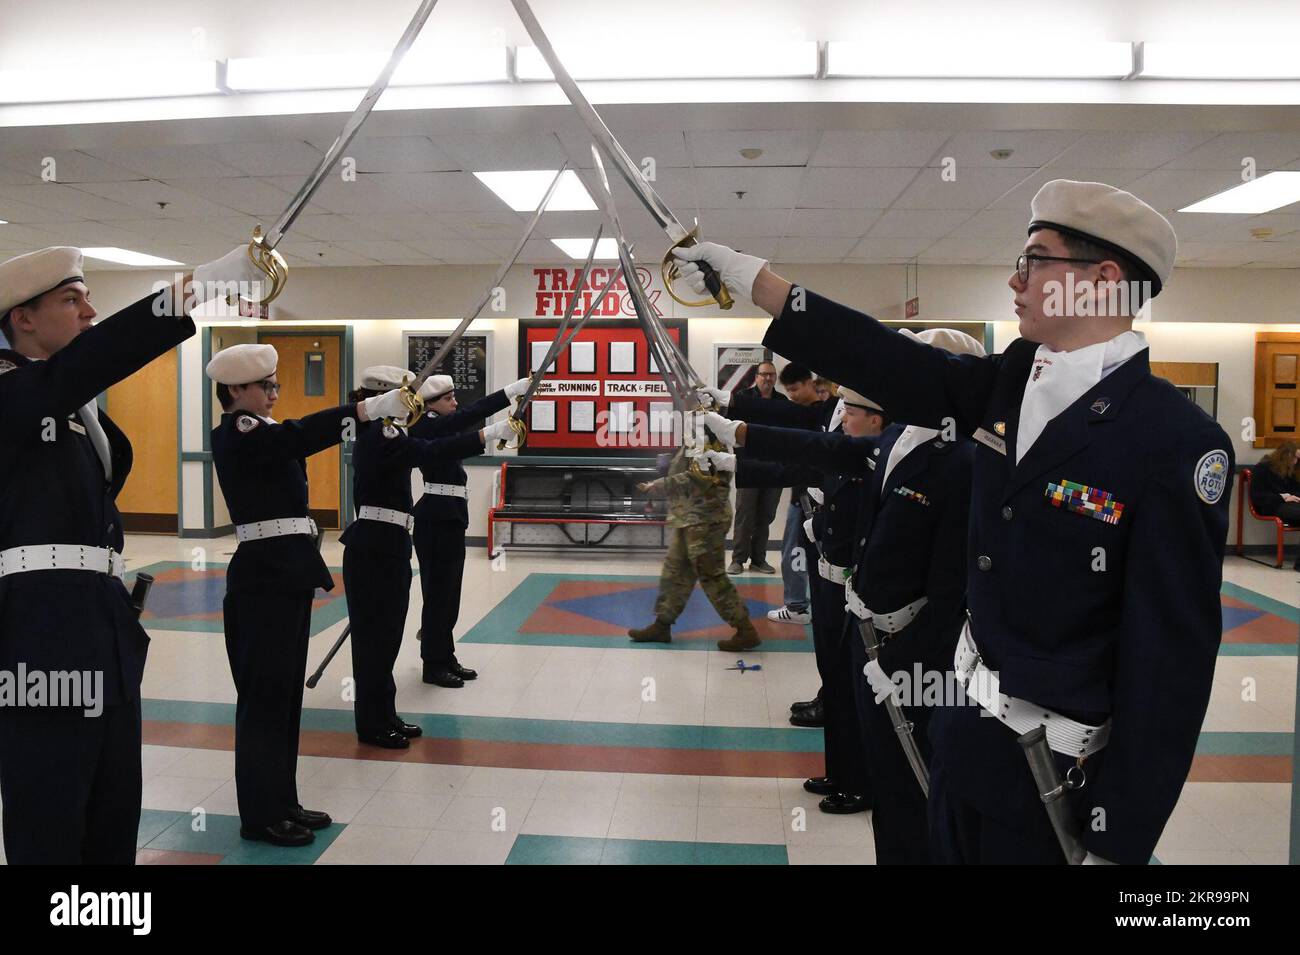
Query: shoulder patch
pixel 246 423
pixel 6 366
pixel 1211 477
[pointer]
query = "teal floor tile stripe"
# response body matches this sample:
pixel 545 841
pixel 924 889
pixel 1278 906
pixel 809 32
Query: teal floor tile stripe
pixel 523 730
pixel 1261 602
pixel 1257 649
pixel 1244 744
pixel 574 850
pixel 502 623
pixel 220 836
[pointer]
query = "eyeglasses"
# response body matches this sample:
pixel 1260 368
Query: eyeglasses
pixel 1022 262
pixel 765 374
pixel 270 387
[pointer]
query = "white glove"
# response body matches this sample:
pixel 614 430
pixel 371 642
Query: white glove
pixel 516 388
pixel 736 269
pixel 233 272
pixel 808 529
pixel 390 404
pixel 817 496
pixel 881 685
pixel 720 460
pixel 723 428
pixel 1091 859
pixel 853 603
pixel 501 431
pixel 719 398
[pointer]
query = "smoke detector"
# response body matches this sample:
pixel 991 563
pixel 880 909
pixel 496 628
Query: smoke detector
pixel 1001 153
pixel 1261 233
pixel 751 152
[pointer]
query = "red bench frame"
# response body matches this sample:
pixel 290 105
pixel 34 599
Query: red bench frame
pixel 1243 502
pixel 493 517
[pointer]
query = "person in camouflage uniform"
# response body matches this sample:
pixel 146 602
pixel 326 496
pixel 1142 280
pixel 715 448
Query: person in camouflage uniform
pixel 699 514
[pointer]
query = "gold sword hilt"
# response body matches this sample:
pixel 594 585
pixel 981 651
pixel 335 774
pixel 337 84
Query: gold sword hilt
pixel 414 403
pixel 521 435
pixel 712 475
pixel 270 263
pixel 668 269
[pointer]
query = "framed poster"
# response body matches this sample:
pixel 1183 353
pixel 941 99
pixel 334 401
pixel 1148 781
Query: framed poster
pixel 734 365
pixel 621 416
pixel 582 417
pixel 469 363
pixel 582 358
pixel 539 355
pixel 622 358
pixel 542 415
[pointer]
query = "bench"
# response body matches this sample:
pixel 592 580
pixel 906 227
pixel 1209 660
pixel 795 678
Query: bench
pixel 573 500
pixel 1243 502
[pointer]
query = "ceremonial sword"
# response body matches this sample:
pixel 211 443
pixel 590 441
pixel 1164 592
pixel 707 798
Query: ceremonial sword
pixel 631 173
pixel 261 249
pixel 1052 790
pixel 410 389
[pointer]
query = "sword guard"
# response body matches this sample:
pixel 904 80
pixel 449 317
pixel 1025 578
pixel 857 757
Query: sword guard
pixel 721 296
pixel 270 263
pixel 712 475
pixel 414 404
pixel 521 435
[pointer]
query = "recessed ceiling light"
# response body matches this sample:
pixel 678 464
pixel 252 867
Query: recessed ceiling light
pixel 1264 194
pixel 578 248
pixel 3 222
pixel 125 256
pixel 522 190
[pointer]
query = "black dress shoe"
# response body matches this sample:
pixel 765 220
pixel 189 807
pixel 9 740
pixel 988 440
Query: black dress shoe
pixel 443 676
pixel 465 673
pixel 804 705
pixel 812 716
pixel 409 730
pixel 388 739
pixel 310 818
pixel 283 833
pixel 819 785
pixel 842 804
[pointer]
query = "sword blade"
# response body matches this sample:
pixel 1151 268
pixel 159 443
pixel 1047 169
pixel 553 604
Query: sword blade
pixel 629 170
pixel 304 194
pixel 432 364
pixel 553 352
pixel 897 718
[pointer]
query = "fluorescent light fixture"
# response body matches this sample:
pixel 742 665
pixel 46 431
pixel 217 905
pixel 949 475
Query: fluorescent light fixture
pixel 1221 61
pixel 1046 58
pixel 125 257
pixel 674 61
pixel 1264 194
pixel 3 222
pixel 522 190
pixel 578 248
pixel 123 79
pixel 422 66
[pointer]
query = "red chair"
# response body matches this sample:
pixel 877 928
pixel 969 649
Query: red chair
pixel 1244 501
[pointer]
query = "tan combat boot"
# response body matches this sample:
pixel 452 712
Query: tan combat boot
pixel 745 638
pixel 657 632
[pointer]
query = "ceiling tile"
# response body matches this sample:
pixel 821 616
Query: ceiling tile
pixel 288 158
pixel 881 147
pixel 176 161
pixel 251 196
pixel 1227 150
pixel 740 221
pixel 667 148
pixel 401 192
pixel 398 154
pixel 918 223
pixel 1193 225
pixel 302 252
pixel 972 188
pixel 70 166
pixel 968 251
pixel 764 187
pixel 502 224
pixel 332 227
pixel 455 251
pixel 830 249
pixel 145 195
pixel 388 253
pixel 831 222
pixel 61 202
pixel 1129 150
pixel 484 153
pixel 762 246
pixel 1030 148
pixel 1019 198
pixel 567 225
pixel 1171 189
pixel 721 147
pixel 1285 226
pixel 994 224
pixel 841 188
pixel 874 249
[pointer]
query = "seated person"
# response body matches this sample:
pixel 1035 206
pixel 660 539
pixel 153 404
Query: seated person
pixel 1275 486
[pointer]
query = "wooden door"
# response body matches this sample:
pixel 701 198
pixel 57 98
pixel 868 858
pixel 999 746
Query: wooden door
pixel 144 406
pixel 1277 387
pixel 310 381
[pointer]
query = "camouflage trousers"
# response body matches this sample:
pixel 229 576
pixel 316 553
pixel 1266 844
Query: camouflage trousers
pixel 698 552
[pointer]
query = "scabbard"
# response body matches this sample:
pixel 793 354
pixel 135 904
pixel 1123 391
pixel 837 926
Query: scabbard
pixel 1052 790
pixel 903 727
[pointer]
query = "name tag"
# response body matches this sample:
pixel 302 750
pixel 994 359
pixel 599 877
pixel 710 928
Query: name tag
pixel 76 427
pixel 990 440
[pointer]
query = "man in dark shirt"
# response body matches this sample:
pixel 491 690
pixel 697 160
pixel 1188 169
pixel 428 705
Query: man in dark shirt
pixel 755 506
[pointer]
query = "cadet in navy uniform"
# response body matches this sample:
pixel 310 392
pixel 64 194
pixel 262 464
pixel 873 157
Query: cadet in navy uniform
pixel 847 786
pixel 70 775
pixel 441 517
pixel 272 578
pixel 377 557
pixel 1097 528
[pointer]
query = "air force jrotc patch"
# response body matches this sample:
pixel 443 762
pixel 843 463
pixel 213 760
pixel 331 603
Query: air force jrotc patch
pixel 246 423
pixel 1211 476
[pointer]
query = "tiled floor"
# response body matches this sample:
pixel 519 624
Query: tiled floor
pixel 574 746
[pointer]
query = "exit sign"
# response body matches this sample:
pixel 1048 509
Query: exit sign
pixel 912 308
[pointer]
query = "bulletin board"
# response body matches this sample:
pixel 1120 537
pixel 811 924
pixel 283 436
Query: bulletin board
pixel 603 395
pixel 467 363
